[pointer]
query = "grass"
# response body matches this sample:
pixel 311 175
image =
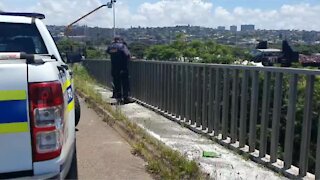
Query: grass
pixel 163 162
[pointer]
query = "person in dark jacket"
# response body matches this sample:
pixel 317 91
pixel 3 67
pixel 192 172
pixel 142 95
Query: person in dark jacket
pixel 120 56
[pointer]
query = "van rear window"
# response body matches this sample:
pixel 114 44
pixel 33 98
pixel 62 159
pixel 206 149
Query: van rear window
pixel 25 38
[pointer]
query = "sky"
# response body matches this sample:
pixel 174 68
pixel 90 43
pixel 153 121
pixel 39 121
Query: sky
pixel 265 14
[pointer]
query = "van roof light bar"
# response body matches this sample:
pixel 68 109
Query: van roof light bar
pixel 32 15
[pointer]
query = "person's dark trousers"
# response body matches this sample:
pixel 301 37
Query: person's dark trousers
pixel 117 86
pixel 125 84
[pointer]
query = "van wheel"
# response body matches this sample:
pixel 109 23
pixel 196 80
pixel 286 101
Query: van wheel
pixel 73 172
pixel 77 109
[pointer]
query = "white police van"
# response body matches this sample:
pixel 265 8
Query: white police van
pixel 37 102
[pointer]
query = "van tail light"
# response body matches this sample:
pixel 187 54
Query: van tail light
pixel 47 117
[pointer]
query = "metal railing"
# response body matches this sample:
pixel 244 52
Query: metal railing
pixel 268 112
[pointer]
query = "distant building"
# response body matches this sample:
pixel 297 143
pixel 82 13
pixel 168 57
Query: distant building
pixel 221 28
pixel 233 28
pixel 247 27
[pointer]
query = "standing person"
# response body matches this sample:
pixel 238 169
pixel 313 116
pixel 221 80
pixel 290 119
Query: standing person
pixel 120 56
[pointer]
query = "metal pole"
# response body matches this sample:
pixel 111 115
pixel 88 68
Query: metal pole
pixel 114 17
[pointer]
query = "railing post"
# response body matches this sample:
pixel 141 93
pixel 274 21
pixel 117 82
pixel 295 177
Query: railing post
pixel 254 111
pixel 137 85
pixel 149 87
pixel 146 88
pixel 217 103
pixel 188 94
pixel 198 97
pixel 276 118
pixel 157 88
pixel 143 91
pixel 147 81
pixel 162 86
pixel 306 127
pixel 211 101
pixel 193 94
pixel 226 97
pixel 265 114
pixel 243 111
pixel 291 117
pixel 182 91
pixel 171 89
pixel 235 105
pixel 151 75
pixel 204 99
pixel 168 70
pixel 136 91
pixel 176 92
pixel 153 82
pixel 140 80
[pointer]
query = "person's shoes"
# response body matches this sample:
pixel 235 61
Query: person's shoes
pixel 128 100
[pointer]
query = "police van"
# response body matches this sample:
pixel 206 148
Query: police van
pixel 38 106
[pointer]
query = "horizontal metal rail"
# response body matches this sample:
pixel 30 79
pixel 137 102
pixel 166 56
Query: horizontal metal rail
pixel 271 113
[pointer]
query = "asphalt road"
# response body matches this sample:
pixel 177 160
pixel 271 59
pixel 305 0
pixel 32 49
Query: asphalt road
pixel 102 153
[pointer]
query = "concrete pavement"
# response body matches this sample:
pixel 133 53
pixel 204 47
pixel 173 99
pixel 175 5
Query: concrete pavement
pixel 227 165
pixel 102 153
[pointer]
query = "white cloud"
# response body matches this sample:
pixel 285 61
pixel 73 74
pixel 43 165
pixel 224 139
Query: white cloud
pixel 180 12
pixel 63 12
pixel 204 13
pixel 169 13
pixel 1 7
pixel 299 16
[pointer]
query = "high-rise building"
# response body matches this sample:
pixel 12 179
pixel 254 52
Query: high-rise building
pixel 247 27
pixel 233 28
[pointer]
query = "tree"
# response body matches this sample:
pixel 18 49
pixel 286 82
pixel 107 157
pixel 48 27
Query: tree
pixel 162 52
pixel 138 49
pixel 200 51
pixel 169 54
pixel 67 45
pixel 93 53
pixel 307 49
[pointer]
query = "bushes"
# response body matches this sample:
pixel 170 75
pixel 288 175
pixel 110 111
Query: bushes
pixel 196 51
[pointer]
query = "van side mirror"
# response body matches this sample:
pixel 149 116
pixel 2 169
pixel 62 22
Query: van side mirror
pixel 74 58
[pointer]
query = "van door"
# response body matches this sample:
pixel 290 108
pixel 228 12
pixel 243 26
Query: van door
pixel 15 136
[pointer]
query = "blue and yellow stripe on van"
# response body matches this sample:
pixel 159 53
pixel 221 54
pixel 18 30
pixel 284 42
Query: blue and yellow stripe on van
pixel 13 111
